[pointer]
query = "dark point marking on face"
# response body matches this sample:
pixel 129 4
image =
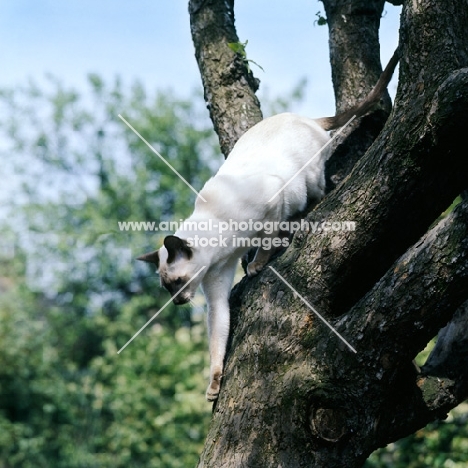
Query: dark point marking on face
pixel 174 286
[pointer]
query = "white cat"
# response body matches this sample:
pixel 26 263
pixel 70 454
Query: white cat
pixel 263 179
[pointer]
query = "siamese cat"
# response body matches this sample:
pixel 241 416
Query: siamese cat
pixel 263 179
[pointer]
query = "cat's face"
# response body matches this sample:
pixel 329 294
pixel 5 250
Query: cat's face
pixel 177 265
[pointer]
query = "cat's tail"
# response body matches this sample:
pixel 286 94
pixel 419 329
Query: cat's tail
pixel 330 123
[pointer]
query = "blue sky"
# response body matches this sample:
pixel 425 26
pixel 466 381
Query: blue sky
pixel 150 40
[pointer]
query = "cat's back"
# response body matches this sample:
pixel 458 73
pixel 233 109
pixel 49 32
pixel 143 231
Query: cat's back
pixel 285 138
pixel 278 149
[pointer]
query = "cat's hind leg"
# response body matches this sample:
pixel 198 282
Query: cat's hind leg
pixel 271 245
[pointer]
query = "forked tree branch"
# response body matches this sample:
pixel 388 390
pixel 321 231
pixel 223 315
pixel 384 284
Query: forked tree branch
pixel 352 403
pixel 405 309
pixel 387 196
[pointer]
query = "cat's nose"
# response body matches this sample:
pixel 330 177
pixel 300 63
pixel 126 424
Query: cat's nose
pixel 179 300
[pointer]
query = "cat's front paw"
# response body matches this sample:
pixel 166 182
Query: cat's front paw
pixel 212 391
pixel 253 268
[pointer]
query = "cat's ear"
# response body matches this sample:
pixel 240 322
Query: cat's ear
pixel 177 247
pixel 151 257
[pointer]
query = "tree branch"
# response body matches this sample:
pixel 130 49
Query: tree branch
pixel 354 56
pixel 414 160
pixel 449 358
pixel 355 61
pixel 387 195
pixel 421 291
pixel 228 83
pixel 418 295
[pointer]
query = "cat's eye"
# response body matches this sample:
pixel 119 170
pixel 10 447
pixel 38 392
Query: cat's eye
pixel 178 281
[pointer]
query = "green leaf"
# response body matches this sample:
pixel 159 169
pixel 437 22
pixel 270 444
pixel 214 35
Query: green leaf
pixel 239 48
pixel 321 20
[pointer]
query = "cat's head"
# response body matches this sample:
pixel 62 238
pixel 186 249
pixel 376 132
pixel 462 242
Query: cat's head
pixel 177 264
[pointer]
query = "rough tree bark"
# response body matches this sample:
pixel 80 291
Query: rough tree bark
pixel 293 395
pixel 228 83
pixel 355 62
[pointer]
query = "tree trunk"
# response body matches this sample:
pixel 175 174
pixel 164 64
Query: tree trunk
pixel 295 396
pixel 293 393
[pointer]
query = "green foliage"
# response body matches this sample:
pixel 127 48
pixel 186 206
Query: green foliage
pixel 94 172
pixel 74 292
pixel 321 20
pixel 448 210
pixel 442 444
pixel 131 409
pixel 239 49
